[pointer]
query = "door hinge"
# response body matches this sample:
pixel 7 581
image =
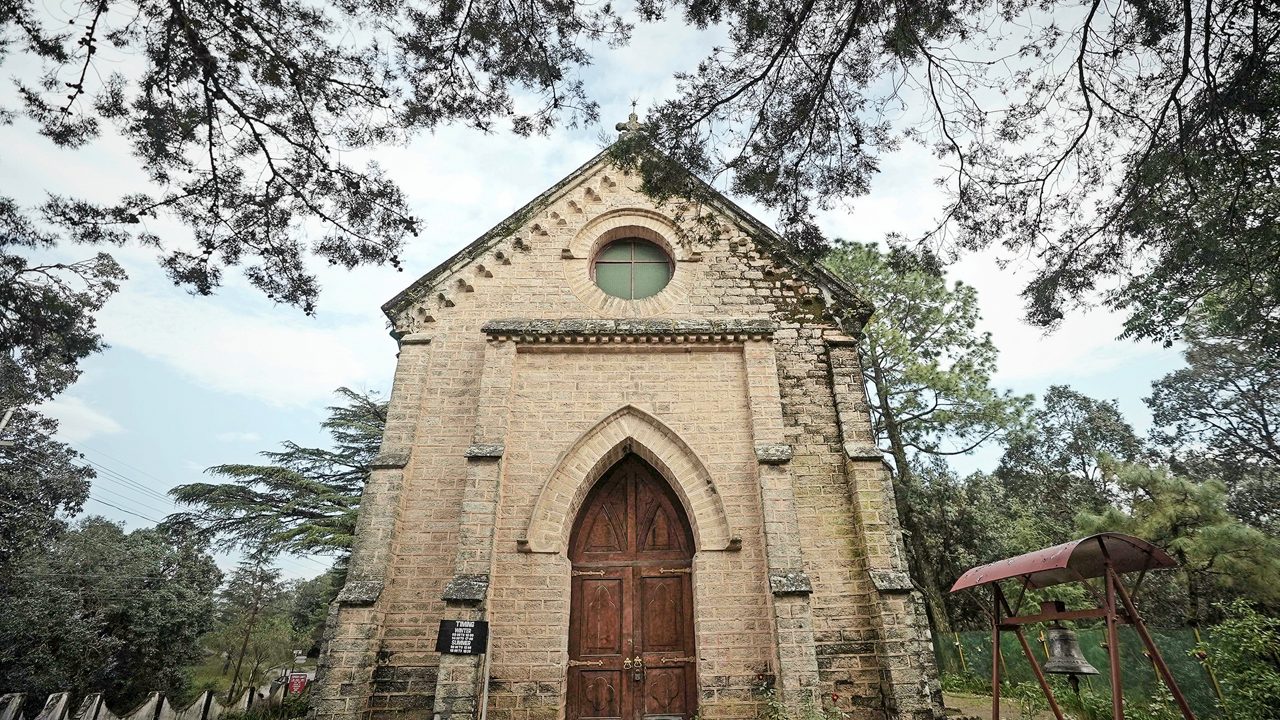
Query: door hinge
pixel 673 571
pixel 678 659
pixel 580 663
pixel 580 573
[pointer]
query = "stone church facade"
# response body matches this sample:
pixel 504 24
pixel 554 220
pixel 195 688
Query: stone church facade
pixel 641 452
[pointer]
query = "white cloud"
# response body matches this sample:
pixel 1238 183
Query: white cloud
pixel 277 355
pixel 238 437
pixel 77 421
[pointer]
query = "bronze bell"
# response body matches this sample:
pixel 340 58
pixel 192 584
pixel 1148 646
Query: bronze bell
pixel 1064 655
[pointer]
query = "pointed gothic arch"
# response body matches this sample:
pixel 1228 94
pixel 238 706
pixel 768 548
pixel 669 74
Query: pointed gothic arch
pixel 627 430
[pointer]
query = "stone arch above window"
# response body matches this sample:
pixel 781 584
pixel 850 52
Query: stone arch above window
pixel 620 224
pixel 627 430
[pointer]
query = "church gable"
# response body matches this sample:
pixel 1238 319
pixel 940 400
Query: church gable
pixel 558 238
pixel 599 417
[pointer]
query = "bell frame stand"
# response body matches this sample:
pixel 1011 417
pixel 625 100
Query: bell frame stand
pixel 1115 606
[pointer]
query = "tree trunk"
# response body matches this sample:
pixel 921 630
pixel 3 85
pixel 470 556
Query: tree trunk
pixel 244 643
pixel 923 572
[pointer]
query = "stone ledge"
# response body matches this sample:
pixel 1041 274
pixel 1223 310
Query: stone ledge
pixel 789 582
pixel 628 330
pixel 491 452
pixel 466 588
pixel 773 454
pixel 891 581
pixel 360 593
pixel 862 451
pixel 415 339
pixel 393 460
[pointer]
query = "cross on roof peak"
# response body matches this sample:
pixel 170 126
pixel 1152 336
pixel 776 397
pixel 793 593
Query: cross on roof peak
pixel 631 125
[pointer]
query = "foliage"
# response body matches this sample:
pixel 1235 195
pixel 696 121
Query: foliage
pixel 46 327
pixel 306 500
pixel 1245 655
pixel 46 311
pixel 929 366
pixel 260 621
pixel 99 609
pixel 292 706
pixel 1052 462
pixel 1221 556
pixel 1219 417
pixel 40 484
pixel 309 608
pixel 929 375
pixel 245 116
pixel 1127 144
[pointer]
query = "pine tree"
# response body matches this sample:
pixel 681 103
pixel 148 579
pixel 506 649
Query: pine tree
pixel 305 500
pixel 928 371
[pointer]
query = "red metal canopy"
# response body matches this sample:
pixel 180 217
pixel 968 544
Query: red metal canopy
pixel 1071 561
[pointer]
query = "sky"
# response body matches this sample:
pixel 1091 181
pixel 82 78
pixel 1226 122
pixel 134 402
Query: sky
pixel 191 382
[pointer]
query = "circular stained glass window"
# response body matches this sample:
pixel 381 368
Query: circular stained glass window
pixel 632 268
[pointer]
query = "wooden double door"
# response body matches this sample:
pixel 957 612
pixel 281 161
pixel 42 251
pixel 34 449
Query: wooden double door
pixel 631 644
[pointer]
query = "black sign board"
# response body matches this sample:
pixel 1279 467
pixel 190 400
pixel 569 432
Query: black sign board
pixel 463 637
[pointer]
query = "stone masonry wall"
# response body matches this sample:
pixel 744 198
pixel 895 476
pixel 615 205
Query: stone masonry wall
pixel 557 392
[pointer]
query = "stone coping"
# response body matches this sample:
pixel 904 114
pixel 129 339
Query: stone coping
pixel 628 330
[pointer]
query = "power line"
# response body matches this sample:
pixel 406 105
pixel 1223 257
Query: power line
pixel 131 482
pixel 127 512
pixel 133 500
pixel 127 483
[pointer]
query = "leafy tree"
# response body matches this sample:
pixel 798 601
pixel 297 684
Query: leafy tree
pixel 102 610
pixel 46 327
pixel 1054 461
pixel 40 485
pixel 310 607
pixel 1244 651
pixel 244 116
pixel 306 500
pixel 1219 417
pixel 255 623
pixel 1130 144
pixel 1221 557
pixel 929 373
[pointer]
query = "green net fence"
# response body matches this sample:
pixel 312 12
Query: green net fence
pixel 968 654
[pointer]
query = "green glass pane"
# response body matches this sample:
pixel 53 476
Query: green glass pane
pixel 615 280
pixel 649 252
pixel 650 278
pixel 619 251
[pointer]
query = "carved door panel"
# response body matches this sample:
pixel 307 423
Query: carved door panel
pixel 631 645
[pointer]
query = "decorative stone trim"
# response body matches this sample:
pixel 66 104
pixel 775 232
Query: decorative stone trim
pixel 789 582
pixel 773 454
pixel 626 330
pixel 492 452
pixel 360 593
pixel 627 430
pixel 466 588
pixel 390 461
pixel 891 582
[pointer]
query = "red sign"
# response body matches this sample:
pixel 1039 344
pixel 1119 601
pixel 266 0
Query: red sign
pixel 297 683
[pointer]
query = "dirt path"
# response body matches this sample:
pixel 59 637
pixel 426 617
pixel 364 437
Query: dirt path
pixel 979 706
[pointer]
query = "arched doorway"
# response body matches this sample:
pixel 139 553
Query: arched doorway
pixel 631 645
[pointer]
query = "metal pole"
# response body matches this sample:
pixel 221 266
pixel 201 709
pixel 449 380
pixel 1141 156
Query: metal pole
pixel 1156 658
pixel 1113 650
pixel 1035 667
pixel 995 652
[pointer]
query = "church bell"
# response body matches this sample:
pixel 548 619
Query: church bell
pixel 1064 655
